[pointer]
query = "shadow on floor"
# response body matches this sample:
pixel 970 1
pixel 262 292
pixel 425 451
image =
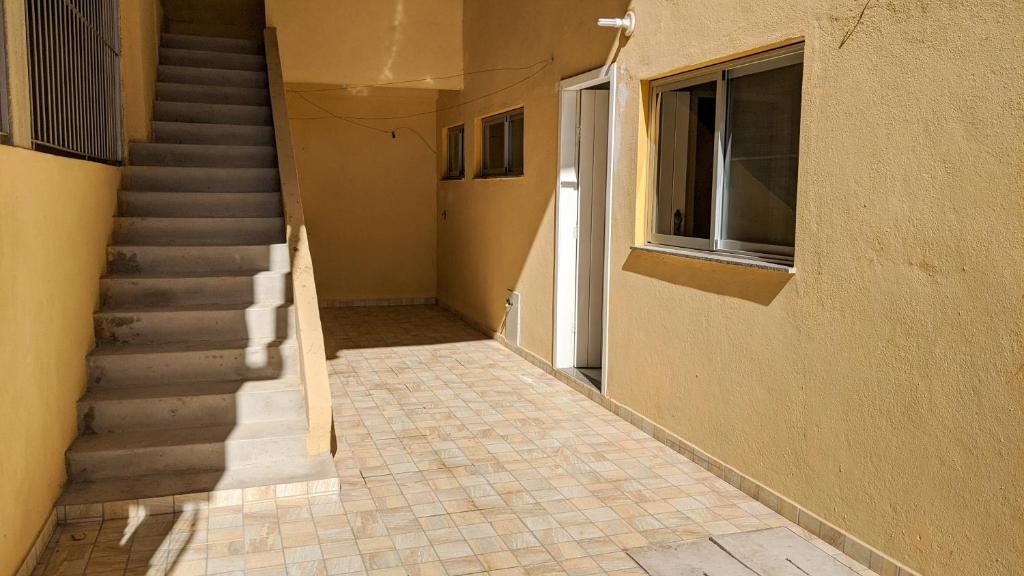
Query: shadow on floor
pixel 383 327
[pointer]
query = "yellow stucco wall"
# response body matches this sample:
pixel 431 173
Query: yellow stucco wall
pixel 55 219
pixel 140 28
pixel 345 42
pixel 880 385
pixel 368 197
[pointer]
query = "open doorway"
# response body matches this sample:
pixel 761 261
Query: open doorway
pixel 582 226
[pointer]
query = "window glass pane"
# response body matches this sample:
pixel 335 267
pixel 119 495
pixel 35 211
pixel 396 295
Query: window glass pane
pixel 762 139
pixel 686 161
pixel 516 130
pixel 494 146
pixel 455 152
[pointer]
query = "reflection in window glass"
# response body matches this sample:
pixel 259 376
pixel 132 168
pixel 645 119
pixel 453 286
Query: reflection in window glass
pixel 516 126
pixel 456 152
pixel 762 141
pixel 686 161
pixel 503 137
pixel 494 146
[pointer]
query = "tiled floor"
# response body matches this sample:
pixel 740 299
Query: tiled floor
pixel 456 457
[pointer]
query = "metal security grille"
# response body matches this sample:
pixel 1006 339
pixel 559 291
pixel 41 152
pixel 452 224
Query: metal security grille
pixel 74 63
pixel 5 116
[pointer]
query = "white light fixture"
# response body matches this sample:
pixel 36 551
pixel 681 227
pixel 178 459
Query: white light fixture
pixel 627 23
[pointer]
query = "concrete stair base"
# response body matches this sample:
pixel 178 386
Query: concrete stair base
pixel 194 382
pixel 316 472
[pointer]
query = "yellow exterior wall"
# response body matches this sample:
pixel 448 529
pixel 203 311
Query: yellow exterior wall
pixel 880 385
pixel 368 197
pixel 345 42
pixel 55 219
pixel 140 28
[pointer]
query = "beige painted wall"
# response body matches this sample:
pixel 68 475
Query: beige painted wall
pixel 368 197
pixel 880 385
pixel 345 42
pixel 140 28
pixel 55 218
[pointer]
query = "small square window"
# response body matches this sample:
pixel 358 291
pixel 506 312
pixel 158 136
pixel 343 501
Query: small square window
pixel 456 157
pixel 503 137
pixel 725 157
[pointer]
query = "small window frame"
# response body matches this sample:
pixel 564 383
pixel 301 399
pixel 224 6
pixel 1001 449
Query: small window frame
pixel 720 74
pixel 450 173
pixel 505 118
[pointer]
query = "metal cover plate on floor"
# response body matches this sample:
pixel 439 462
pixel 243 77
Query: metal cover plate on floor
pixel 771 552
pixel 694 558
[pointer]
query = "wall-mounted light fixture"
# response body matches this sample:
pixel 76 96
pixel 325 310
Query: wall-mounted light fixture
pixel 627 23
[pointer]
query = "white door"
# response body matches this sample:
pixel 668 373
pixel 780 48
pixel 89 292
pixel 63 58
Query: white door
pixel 592 162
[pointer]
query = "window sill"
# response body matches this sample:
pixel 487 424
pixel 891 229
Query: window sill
pixel 500 177
pixel 453 178
pixel 717 257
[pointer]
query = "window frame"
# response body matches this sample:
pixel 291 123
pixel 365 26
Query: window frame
pixel 721 74
pixel 448 174
pixel 506 119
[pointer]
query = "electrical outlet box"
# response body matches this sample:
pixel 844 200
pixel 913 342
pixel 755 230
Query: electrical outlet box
pixel 512 316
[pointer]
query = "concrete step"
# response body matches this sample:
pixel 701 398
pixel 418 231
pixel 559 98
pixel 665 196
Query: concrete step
pixel 169 325
pixel 211 76
pixel 198 231
pixel 114 366
pixel 169 92
pixel 190 42
pixel 197 260
pixel 133 291
pixel 190 405
pixel 217 134
pixel 164 154
pixel 212 59
pixel 200 204
pixel 193 179
pixel 208 448
pixel 318 471
pixel 201 113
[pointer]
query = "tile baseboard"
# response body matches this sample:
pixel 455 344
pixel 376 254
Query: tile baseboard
pixel 42 540
pixel 378 302
pixel 867 556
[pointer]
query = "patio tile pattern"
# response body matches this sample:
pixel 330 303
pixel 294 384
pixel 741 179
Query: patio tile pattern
pixel 456 457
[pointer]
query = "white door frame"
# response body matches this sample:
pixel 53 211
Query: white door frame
pixel 566 214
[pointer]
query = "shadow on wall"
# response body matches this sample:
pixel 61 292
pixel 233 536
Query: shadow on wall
pixel 226 18
pixel 496 234
pixel 746 283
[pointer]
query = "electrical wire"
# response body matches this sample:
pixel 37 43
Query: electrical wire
pixel 426 79
pixel 358 120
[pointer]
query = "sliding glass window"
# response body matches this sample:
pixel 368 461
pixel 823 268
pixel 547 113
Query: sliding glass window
pixel 725 156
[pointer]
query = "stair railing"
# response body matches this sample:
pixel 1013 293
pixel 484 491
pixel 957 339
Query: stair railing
pixel 309 331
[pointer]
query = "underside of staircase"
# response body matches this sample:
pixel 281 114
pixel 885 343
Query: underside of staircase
pixel 194 382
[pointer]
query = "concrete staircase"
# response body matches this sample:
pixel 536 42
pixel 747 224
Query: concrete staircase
pixel 193 384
